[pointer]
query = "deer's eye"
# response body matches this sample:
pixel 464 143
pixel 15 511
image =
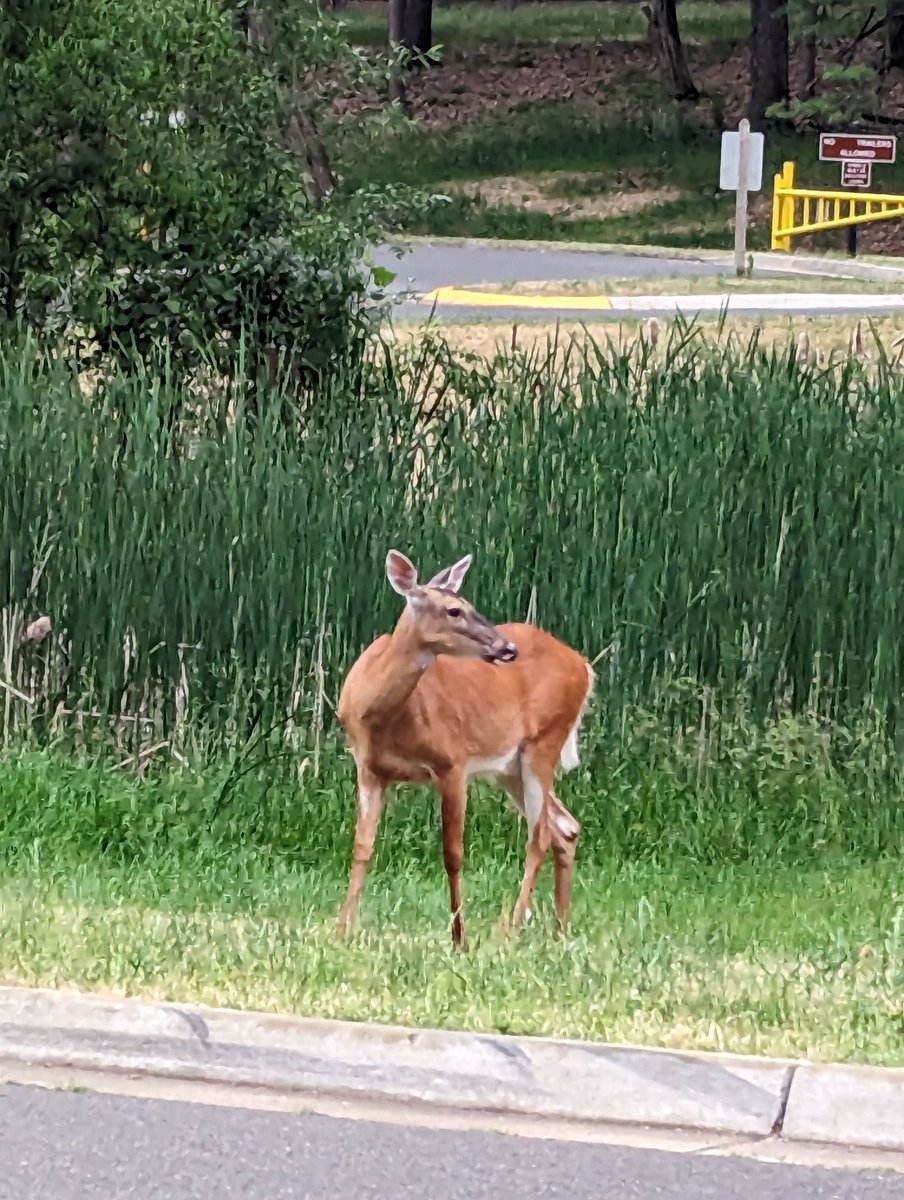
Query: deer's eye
pixel 454 613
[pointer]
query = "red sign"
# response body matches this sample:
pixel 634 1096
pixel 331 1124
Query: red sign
pixel 865 147
pixel 856 174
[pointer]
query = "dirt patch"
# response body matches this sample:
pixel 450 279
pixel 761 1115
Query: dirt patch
pixel 631 194
pixel 469 86
pixel 537 194
pixel 828 335
pixel 618 75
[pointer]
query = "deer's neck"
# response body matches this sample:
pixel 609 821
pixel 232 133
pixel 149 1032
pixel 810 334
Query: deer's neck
pixel 396 674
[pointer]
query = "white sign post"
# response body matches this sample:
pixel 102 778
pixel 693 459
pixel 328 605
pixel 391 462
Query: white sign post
pixel 741 171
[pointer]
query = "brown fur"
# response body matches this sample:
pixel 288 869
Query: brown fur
pixel 418 706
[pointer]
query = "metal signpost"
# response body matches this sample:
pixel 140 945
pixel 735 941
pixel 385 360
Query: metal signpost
pixel 856 152
pixel 741 171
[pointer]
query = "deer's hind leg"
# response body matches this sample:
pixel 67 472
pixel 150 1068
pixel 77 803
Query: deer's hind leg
pixel 549 824
pixel 564 831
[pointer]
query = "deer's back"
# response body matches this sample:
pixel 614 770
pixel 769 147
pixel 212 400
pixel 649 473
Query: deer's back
pixel 547 683
pixel 466 710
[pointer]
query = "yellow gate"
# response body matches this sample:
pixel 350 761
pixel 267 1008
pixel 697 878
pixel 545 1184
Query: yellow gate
pixel 796 211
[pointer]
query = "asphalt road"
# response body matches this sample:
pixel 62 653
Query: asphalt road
pixel 424 267
pixel 57 1145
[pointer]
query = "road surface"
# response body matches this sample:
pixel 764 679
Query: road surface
pixel 424 267
pixel 61 1145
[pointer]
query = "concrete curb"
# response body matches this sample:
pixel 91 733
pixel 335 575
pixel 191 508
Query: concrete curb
pixel 691 305
pixel 799 263
pixel 781 304
pixel 516 1076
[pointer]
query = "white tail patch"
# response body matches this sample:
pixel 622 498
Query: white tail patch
pixel 570 755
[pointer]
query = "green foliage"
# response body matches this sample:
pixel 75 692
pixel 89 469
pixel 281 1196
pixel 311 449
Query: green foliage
pixel 845 89
pixel 166 177
pixel 733 790
pixel 730 533
pixel 847 95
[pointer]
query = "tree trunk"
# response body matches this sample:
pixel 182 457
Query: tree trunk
pixel 396 37
pixel 894 34
pixel 305 139
pixel 301 133
pixel 662 17
pixel 768 56
pixel 809 51
pixel 10 265
pixel 417 25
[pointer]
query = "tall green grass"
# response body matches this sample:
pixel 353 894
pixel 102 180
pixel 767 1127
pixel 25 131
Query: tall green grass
pixel 719 531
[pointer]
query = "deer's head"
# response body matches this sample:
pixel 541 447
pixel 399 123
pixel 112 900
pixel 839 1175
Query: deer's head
pixel 445 622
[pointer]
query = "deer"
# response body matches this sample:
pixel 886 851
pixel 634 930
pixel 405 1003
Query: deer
pixel 446 698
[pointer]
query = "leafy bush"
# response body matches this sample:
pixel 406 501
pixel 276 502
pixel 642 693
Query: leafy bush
pixel 169 178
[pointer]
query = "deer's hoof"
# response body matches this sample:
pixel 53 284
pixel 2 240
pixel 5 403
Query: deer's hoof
pixel 520 917
pixel 345 923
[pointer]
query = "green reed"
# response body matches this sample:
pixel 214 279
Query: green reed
pixel 719 530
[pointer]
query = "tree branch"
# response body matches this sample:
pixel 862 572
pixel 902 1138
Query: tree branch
pixel 301 133
pixel 867 29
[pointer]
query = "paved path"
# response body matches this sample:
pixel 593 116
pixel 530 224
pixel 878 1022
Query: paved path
pixel 425 268
pixel 57 1145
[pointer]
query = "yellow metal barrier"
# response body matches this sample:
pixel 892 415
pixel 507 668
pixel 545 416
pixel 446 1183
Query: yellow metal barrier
pixel 796 211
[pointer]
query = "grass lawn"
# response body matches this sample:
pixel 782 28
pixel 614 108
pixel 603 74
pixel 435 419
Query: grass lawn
pixel 465 23
pixel 777 952
pixel 552 122
pixel 477 25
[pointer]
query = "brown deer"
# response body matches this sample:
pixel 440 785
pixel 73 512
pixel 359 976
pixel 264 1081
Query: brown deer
pixel 446 698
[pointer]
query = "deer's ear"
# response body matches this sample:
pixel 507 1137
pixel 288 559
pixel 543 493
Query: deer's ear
pixel 401 573
pixel 451 578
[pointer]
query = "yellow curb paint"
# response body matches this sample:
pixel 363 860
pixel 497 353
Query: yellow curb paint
pixel 451 295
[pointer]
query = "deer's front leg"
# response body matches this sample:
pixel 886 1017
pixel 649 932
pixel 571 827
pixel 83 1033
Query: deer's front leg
pixel 369 808
pixel 453 791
